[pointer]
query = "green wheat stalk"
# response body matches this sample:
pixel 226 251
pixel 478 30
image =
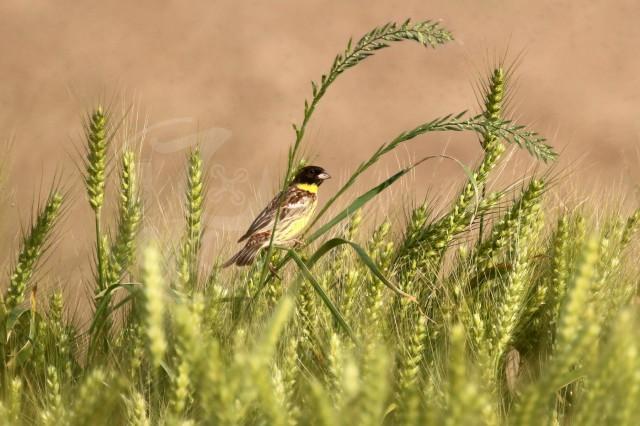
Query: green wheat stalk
pixel 95 174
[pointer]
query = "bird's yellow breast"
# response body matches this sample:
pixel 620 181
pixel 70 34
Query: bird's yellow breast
pixel 297 226
pixel 309 187
pixel 291 227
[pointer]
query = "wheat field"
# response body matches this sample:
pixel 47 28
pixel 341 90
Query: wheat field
pixel 502 309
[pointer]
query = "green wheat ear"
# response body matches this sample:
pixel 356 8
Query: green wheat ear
pixel 129 216
pixel 495 96
pixel 96 134
pixel 188 259
pixel 54 412
pixel 427 245
pixel 155 290
pixel 512 307
pixel 522 210
pixel 631 227
pixel 33 245
pixel 409 374
pixel 96 163
pixel 137 410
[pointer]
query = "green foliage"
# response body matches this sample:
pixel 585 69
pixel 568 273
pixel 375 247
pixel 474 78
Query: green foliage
pixel 33 245
pixel 96 162
pixel 190 248
pixel 532 322
pixel 129 217
pixel 154 299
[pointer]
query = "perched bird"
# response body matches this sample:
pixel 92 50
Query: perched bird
pixel 299 202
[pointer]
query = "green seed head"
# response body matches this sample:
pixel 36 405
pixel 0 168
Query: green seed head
pixel 33 245
pixel 96 135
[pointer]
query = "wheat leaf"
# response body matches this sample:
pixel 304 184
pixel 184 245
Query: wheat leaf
pixel 325 298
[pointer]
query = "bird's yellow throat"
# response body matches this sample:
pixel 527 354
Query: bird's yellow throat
pixel 309 187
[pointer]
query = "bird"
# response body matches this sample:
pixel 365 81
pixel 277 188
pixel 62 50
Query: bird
pixel 297 205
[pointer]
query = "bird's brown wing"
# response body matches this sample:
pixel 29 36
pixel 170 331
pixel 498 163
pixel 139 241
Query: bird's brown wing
pixel 294 200
pixel 263 219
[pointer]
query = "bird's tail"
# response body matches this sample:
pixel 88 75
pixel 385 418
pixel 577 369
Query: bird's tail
pixel 245 256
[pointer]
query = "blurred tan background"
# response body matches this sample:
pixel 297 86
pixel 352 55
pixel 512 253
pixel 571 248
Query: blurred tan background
pixel 233 75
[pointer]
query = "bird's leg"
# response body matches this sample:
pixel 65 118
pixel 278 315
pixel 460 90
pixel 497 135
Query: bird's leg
pixel 297 243
pixel 274 271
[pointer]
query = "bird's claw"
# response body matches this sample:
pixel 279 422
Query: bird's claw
pixel 297 243
pixel 274 271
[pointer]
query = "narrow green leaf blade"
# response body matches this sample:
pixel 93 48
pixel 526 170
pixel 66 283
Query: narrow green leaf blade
pixel 357 203
pixel 325 298
pixel 364 257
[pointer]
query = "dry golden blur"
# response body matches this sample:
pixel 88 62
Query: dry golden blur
pixel 234 75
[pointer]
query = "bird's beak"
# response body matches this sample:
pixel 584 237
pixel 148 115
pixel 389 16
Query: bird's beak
pixel 324 176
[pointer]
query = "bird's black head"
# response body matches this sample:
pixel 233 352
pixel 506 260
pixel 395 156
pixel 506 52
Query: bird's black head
pixel 312 175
